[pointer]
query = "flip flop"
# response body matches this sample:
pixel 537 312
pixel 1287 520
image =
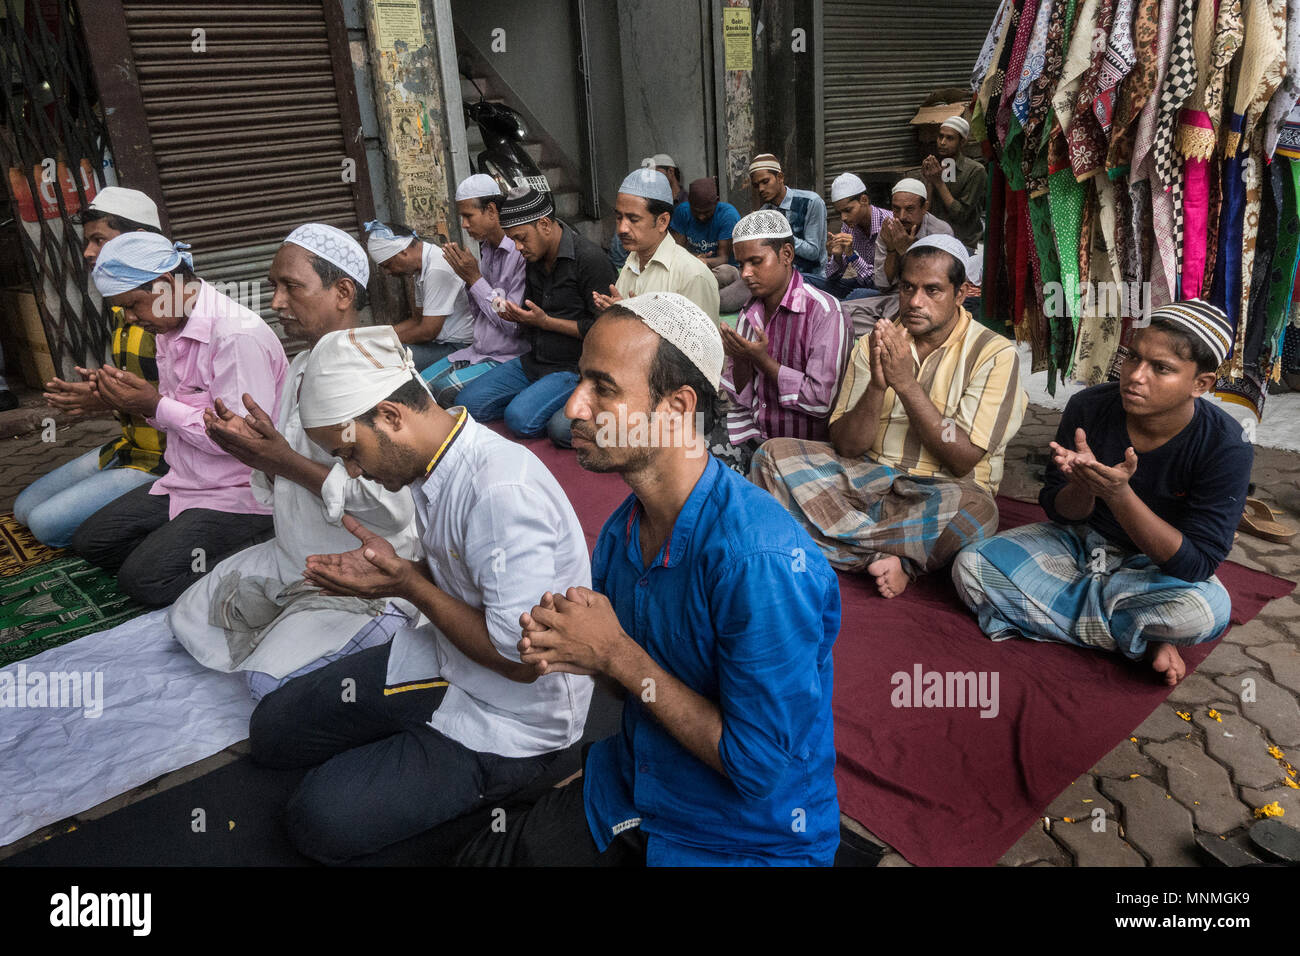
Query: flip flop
pixel 1225 853
pixel 1258 519
pixel 1278 839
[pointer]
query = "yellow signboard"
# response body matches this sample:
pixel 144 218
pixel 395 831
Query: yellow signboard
pixel 737 45
pixel 398 21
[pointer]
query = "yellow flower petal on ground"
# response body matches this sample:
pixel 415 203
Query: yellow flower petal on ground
pixel 1291 783
pixel 1183 714
pixel 1215 714
pixel 1276 752
pixel 1273 809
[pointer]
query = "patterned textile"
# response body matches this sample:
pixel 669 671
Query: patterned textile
pixel 1035 60
pixel 55 602
pixel 1050 582
pixel 985 59
pixel 1120 58
pixel 1066 197
pixel 1281 279
pixel 1179 84
pixel 1086 140
pixel 1196 208
pixel 1137 86
pixel 1288 93
pixel 1036 129
pixel 859 511
pixel 1019 50
pixel 141 445
pixel 19 549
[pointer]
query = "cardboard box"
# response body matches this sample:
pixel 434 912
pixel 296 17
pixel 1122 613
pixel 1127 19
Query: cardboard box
pixel 23 323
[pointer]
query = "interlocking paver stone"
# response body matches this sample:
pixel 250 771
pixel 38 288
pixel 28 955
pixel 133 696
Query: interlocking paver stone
pixel 1284 661
pixel 1273 708
pixel 1092 848
pixel 1124 760
pixel 1239 745
pixel 1257 633
pixel 1284 797
pixel 1196 689
pixel 1078 800
pixel 1035 846
pixel 1226 659
pixel 1154 822
pixel 1201 784
pixel 1162 724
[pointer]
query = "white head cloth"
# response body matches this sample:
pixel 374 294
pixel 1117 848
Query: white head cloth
pixel 333 245
pixel 763 224
pixel 647 183
pixel 913 186
pixel 478 186
pixel 957 125
pixel 351 371
pixel 846 185
pixel 949 244
pixel 683 323
pixel 383 243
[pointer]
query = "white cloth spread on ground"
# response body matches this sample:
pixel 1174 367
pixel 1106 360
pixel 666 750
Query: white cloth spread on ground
pixel 304 524
pixel 159 710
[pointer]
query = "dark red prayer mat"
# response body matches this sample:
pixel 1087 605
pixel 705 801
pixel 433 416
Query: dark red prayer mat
pixel 943 785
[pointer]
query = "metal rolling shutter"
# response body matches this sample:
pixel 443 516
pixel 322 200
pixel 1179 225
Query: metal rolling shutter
pixel 882 58
pixel 247 135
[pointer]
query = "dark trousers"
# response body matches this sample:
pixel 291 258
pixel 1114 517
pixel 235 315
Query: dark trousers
pixel 552 832
pixel 153 556
pixel 381 773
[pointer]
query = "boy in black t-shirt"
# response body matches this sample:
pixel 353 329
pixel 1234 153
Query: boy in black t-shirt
pixel 1145 488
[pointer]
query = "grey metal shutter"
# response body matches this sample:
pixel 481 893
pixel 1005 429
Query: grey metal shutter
pixel 248 135
pixel 882 58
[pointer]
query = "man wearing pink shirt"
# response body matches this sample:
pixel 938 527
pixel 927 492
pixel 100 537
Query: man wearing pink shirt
pixel 160 539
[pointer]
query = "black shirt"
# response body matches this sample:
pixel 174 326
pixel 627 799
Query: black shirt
pixel 1196 481
pixel 581 268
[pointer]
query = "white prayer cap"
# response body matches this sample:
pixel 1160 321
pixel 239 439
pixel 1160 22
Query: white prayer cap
pixel 913 186
pixel 681 322
pixel 846 185
pixel 478 186
pixel 351 371
pixel 383 243
pixel 949 244
pixel 647 183
pixel 763 224
pixel 957 125
pixel 663 159
pixel 333 245
pixel 128 204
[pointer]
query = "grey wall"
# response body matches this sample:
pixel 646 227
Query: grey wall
pixel 540 61
pixel 665 80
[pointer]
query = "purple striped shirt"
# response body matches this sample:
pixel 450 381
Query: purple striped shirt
pixel 810 337
pixel 864 245
pixel 495 338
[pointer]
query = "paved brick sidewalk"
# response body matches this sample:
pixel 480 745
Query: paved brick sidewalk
pixel 1175 778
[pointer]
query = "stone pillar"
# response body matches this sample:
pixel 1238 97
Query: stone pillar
pixel 411 105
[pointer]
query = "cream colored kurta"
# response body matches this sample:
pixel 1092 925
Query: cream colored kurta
pixel 305 524
pixel 671 269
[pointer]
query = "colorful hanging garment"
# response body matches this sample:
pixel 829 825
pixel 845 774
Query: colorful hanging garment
pixel 1117 63
pixel 1034 161
pixel 1136 88
pixel 1086 140
pixel 1288 94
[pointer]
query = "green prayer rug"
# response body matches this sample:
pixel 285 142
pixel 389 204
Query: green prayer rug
pixel 57 601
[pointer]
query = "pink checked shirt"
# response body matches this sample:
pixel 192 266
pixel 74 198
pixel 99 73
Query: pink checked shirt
pixel 222 351
pixel 810 337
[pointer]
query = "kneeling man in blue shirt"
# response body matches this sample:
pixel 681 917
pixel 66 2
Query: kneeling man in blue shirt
pixel 712 609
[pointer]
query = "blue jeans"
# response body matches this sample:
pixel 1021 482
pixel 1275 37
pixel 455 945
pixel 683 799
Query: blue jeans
pixel 507 392
pixel 53 507
pixel 446 378
pixel 841 289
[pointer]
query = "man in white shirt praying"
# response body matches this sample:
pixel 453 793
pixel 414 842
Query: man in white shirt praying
pixel 447 718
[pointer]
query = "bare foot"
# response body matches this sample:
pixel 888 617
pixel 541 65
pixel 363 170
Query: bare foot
pixel 1167 662
pixel 891 579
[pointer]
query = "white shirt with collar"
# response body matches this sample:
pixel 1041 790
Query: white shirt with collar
pixel 498 532
pixel 439 291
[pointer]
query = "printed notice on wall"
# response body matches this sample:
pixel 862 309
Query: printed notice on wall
pixel 737 46
pixel 398 21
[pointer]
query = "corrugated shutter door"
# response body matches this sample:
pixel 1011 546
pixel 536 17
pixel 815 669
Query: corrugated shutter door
pixel 247 134
pixel 883 57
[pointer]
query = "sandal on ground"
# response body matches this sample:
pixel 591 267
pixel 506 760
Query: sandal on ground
pixel 1277 839
pixel 1258 519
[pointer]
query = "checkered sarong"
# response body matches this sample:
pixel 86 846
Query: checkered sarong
pixel 858 511
pixel 1053 582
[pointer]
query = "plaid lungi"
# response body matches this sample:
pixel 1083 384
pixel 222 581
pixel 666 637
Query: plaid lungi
pixel 859 511
pixel 1051 582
